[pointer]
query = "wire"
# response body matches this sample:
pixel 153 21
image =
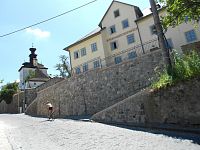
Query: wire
pixel 48 19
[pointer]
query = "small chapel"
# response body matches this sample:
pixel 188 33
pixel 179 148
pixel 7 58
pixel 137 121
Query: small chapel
pixel 32 74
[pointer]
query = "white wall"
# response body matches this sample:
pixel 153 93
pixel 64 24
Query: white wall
pixel 32 84
pixel 177 34
pixel 24 72
pixel 126 12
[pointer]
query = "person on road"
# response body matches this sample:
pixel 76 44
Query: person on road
pixel 50 110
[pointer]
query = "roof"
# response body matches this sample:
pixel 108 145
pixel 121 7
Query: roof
pixel 137 8
pixel 29 65
pixel 148 14
pixel 39 76
pixel 86 37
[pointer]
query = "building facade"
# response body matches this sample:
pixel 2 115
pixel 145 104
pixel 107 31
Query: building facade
pixel 32 73
pixel 124 33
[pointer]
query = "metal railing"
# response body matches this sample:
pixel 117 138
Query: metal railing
pixel 122 56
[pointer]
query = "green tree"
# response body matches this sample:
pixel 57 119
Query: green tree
pixel 180 11
pixel 8 91
pixel 64 67
pixel 30 75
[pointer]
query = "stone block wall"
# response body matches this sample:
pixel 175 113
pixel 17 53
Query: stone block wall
pixel 3 107
pixel 13 107
pixel 49 83
pixel 30 94
pixel 174 106
pixel 93 91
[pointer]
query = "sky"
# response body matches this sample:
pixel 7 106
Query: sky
pixel 50 37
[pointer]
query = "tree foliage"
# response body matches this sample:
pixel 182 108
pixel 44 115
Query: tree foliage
pixel 30 75
pixel 180 11
pixel 64 67
pixel 8 91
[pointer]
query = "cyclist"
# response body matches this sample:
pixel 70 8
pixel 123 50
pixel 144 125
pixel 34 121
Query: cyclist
pixel 50 110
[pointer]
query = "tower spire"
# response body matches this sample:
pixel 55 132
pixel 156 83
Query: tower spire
pixel 32 56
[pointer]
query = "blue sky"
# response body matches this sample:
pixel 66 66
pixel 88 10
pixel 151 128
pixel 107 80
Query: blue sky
pixel 49 38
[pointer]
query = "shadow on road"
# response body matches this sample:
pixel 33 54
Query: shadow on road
pixel 195 138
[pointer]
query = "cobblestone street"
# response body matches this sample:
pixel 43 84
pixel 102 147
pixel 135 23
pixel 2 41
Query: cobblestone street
pixel 21 132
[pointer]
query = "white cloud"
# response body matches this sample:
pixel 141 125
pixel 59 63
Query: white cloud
pixel 38 33
pixel 17 80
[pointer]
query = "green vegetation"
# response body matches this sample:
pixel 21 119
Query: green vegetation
pixel 31 74
pixel 180 11
pixel 64 67
pixel 185 67
pixel 8 91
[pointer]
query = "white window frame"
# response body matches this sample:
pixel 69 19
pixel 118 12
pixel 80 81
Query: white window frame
pixel 116 13
pixel 130 38
pixel 125 24
pixel 113 46
pixel 94 47
pixel 83 51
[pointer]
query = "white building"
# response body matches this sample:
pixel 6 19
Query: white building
pixel 125 33
pixel 32 73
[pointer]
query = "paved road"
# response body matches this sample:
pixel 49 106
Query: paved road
pixel 21 132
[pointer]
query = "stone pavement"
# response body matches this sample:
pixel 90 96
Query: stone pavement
pixel 21 132
pixel 4 142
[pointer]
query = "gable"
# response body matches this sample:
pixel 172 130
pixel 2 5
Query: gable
pixel 116 5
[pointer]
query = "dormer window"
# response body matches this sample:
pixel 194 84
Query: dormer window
pixel 116 13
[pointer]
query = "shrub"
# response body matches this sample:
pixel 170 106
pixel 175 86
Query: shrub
pixel 185 67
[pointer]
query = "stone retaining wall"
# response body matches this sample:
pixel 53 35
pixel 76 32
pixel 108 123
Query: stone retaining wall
pixel 3 107
pixel 14 106
pixel 49 83
pixel 178 105
pixel 93 91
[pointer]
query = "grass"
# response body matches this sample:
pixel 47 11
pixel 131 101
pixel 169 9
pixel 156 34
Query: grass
pixel 184 68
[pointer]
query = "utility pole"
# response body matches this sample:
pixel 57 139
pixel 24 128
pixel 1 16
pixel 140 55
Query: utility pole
pixel 165 52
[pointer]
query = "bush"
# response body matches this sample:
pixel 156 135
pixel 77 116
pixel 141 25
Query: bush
pixel 185 67
pixel 8 91
pixel 6 95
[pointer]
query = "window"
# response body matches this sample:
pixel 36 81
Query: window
pixel 112 29
pixel 130 39
pixel 116 13
pixel 83 51
pixel 78 70
pixel 125 24
pixel 76 55
pixel 118 60
pixel 85 67
pixel 94 47
pixel 153 29
pixel 96 64
pixel 190 36
pixel 113 45
pixel 132 55
pixel 169 44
